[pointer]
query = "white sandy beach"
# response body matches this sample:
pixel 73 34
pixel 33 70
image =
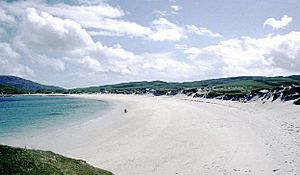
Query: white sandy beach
pixel 180 135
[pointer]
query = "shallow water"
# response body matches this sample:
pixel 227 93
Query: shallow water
pixel 23 114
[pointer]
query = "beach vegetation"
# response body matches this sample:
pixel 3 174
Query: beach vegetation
pixel 37 162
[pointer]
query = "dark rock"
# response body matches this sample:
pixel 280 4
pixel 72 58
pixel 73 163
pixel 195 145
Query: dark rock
pixel 276 96
pixel 197 95
pixel 292 97
pixel 189 92
pixel 160 92
pixel 172 92
pixel 297 102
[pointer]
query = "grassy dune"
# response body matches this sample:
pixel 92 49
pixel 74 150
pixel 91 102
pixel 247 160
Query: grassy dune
pixel 37 162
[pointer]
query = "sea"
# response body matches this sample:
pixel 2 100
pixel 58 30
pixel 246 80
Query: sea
pixel 20 115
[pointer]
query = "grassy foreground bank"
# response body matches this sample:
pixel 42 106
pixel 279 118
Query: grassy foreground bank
pixel 36 162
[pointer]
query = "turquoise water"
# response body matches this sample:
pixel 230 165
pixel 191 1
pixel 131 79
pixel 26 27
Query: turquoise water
pixel 21 114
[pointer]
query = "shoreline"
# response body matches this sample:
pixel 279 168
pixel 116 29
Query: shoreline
pixel 61 123
pixel 169 135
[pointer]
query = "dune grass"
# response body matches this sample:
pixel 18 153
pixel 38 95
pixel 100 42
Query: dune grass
pixel 36 162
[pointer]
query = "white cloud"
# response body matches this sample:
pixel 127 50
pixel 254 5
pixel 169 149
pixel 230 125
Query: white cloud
pixel 6 18
pixel 93 64
pixel 174 10
pixel 47 62
pixel 119 26
pixel 44 34
pixel 278 24
pixel 192 52
pixel 202 31
pixel 176 7
pixel 101 16
pixel 104 33
pixel 93 11
pixel 161 13
pixel 164 63
pixel 97 16
pixel 9 62
pixel 43 37
pixel 160 30
pixel 7 51
pixel 101 19
pixel 271 55
pixel 163 30
pixel 163 66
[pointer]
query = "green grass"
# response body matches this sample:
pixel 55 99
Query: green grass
pixel 242 83
pixel 246 84
pixel 37 162
pixel 5 89
pixel 278 81
pixel 229 92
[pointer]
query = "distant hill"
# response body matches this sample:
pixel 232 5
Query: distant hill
pixel 244 88
pixel 37 162
pixel 246 82
pixel 237 88
pixel 5 89
pixel 17 85
pixel 295 77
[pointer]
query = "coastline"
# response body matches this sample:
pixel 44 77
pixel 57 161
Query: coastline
pixel 169 135
pixel 72 119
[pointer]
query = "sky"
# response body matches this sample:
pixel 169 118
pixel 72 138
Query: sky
pixel 78 43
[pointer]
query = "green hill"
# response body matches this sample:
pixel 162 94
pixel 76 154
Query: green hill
pixel 243 82
pixel 5 89
pixel 17 85
pixel 37 162
pixel 236 85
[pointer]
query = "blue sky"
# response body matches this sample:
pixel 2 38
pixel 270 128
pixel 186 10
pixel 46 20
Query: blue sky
pixel 81 43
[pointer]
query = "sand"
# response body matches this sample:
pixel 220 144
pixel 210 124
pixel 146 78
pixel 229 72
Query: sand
pixel 181 135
